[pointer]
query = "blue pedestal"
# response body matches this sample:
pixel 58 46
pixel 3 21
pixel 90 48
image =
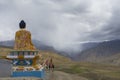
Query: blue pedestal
pixel 39 74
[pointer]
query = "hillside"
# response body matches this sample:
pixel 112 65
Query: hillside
pixel 38 44
pixel 65 69
pixel 42 46
pixel 108 52
pixel 59 61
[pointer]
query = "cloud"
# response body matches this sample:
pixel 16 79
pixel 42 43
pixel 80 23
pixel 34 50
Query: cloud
pixel 62 23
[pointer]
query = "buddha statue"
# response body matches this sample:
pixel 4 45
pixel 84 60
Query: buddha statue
pixel 23 38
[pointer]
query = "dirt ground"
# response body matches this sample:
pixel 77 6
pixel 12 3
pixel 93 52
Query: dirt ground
pixel 58 75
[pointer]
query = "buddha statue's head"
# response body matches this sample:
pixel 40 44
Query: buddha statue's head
pixel 22 24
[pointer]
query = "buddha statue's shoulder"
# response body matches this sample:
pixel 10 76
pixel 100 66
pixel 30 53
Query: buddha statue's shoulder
pixel 19 32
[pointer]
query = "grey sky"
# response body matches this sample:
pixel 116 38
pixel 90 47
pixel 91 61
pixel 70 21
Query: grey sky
pixel 62 23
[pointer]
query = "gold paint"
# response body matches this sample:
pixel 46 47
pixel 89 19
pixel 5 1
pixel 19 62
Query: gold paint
pixel 23 40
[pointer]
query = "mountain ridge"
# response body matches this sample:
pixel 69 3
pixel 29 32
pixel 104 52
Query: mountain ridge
pixel 106 51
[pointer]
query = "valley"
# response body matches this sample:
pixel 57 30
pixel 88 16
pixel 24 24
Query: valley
pixel 97 63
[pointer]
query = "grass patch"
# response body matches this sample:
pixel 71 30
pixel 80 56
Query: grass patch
pixel 94 72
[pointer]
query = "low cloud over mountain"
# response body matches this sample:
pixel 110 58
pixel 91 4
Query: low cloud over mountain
pixel 62 23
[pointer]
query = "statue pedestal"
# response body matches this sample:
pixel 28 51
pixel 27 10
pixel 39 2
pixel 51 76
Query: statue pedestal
pixel 25 64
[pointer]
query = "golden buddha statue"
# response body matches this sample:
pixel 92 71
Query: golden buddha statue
pixel 23 38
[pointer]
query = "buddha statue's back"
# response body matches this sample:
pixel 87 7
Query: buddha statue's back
pixel 23 38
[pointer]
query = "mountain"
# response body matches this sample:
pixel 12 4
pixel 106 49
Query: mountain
pixel 38 44
pixel 89 45
pixel 71 53
pixel 108 51
pixel 9 43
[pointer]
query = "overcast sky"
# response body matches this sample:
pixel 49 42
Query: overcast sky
pixel 62 23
